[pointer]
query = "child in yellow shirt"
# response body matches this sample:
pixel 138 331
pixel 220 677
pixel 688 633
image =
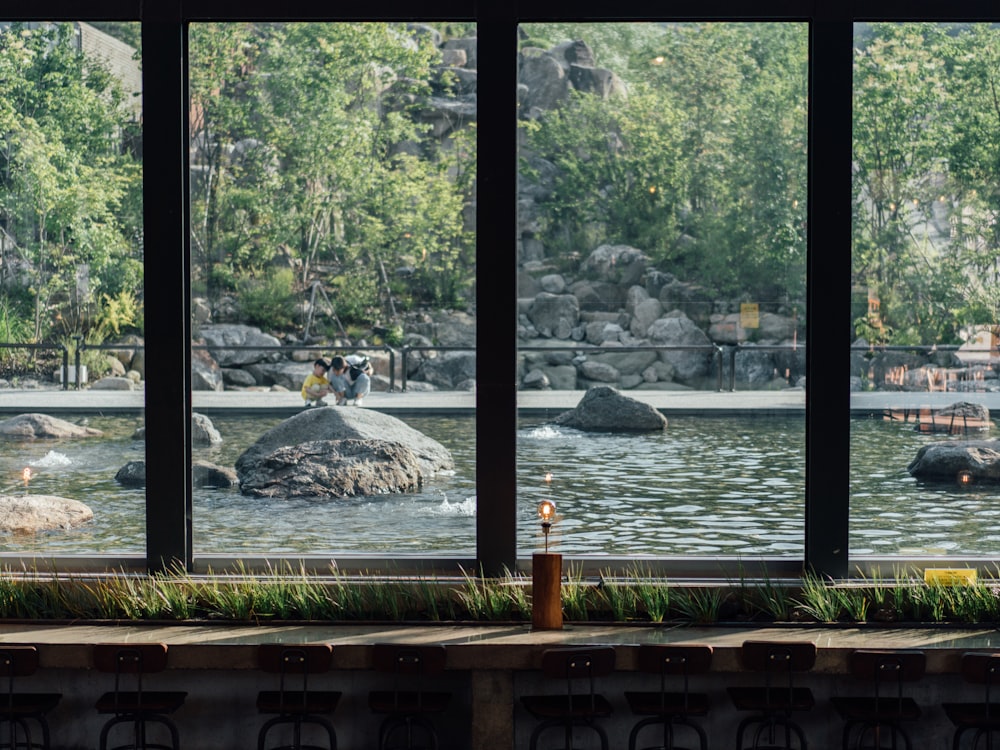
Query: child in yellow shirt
pixel 316 384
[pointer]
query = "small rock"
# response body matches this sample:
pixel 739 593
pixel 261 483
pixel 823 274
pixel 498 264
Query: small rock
pixel 113 383
pixel 203 432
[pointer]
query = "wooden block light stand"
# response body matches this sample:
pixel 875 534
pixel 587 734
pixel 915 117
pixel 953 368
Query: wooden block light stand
pixel 546 578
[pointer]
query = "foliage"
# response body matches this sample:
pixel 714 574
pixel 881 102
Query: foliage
pixel 267 299
pixel 298 147
pixel 69 193
pixel 926 148
pixel 702 165
pixel 15 328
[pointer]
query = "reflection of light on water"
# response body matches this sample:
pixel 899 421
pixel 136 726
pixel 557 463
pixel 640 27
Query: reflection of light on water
pixel 464 509
pixel 52 458
pixel 548 432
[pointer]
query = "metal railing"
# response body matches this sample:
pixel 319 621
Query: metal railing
pixel 735 349
pixel 722 354
pixel 47 347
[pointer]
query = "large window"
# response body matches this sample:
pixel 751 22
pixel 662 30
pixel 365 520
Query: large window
pixel 332 197
pixel 925 288
pixel 662 199
pixel 785 499
pixel 71 285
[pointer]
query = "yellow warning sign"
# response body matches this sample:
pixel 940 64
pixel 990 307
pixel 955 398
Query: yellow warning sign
pixel 950 576
pixel 749 315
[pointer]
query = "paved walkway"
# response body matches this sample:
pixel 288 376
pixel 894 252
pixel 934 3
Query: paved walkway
pixel 443 402
pixel 759 403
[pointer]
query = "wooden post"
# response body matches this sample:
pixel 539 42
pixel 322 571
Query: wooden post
pixel 546 591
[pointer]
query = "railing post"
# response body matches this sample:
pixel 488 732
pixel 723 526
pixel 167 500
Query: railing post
pixel 392 368
pixel 65 366
pixel 76 359
pixel 404 367
pixel 732 367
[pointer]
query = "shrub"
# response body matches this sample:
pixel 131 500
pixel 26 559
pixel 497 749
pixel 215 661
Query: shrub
pixel 268 300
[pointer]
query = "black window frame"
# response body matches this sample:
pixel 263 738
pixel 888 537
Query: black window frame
pixel 167 291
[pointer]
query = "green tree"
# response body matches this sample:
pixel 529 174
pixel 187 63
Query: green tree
pixel 64 178
pixel 335 165
pixel 702 166
pixel 972 60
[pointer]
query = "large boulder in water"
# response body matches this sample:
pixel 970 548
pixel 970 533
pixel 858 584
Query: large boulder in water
pixel 348 423
pixel 26 514
pixel 604 409
pixel 42 426
pixel 332 468
pixel 942 461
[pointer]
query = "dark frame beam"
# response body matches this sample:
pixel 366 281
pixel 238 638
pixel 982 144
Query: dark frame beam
pixel 167 289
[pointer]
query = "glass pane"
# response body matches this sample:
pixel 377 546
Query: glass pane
pixel 71 286
pixel 661 250
pixel 925 288
pixel 332 216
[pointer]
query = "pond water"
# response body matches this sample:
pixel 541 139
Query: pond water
pixel 706 486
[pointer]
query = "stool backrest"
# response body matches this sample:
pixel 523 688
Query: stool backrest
pixel 778 657
pixel 888 668
pixel 306 658
pixel 880 665
pixel 292 661
pixel 18 661
pixel 673 660
pixel 406 659
pixel 130 658
pixel 983 668
pixel 134 659
pixel 407 663
pixel 580 663
pixel 779 661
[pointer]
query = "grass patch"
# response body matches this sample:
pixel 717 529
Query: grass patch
pixel 287 593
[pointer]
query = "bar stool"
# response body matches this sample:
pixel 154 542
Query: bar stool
pixel 572 709
pixel 774 703
pixel 296 705
pixel 407 708
pixel 136 706
pixel 881 714
pixel 671 709
pixel 17 709
pixel 984 718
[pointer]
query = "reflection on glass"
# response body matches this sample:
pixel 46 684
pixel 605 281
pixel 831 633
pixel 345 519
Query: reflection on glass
pixel 71 280
pixel 333 171
pixel 925 286
pixel 661 250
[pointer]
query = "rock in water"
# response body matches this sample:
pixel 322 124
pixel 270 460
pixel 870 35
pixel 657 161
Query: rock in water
pixel 332 468
pixel 42 426
pixel 203 474
pixel 942 461
pixel 348 423
pixel 604 409
pixel 26 514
